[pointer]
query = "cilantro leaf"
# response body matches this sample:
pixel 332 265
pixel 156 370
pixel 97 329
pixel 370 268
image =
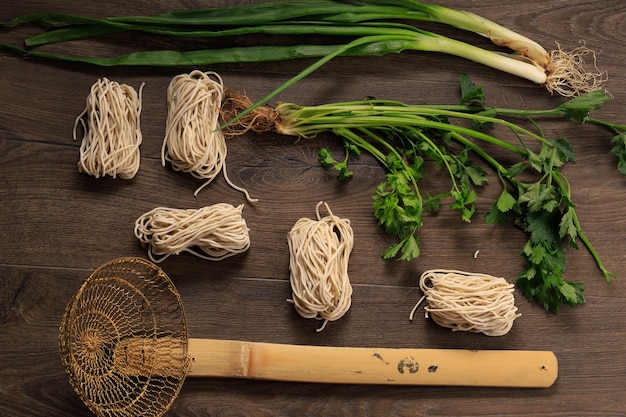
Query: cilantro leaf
pixel 549 289
pixel 542 226
pixel 433 203
pixel 534 253
pixel 516 169
pixel 407 247
pixel 470 93
pixel 476 174
pixel 495 216
pixel 399 211
pixel 536 161
pixel 325 157
pixel 578 108
pixel 567 226
pixel 543 279
pixel 565 150
pixel 619 150
pixel 538 197
pixel 481 124
pixel 505 202
pixel 463 168
pixel 326 160
pixel 464 202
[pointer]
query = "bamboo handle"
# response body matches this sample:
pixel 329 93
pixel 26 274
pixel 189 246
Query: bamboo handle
pixel 350 365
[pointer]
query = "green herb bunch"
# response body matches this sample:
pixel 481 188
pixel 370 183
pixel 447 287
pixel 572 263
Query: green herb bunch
pixel 536 195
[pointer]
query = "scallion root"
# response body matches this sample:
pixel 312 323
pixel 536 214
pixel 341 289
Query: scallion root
pixel 567 74
pixel 259 120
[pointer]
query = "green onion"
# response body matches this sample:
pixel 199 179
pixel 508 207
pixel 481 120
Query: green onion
pixel 371 22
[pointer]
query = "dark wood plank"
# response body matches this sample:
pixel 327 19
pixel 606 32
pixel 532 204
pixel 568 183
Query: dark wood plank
pixel 58 225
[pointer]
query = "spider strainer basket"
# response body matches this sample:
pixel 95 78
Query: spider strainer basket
pixel 123 340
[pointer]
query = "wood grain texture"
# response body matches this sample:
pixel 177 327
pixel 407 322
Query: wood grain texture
pixel 58 225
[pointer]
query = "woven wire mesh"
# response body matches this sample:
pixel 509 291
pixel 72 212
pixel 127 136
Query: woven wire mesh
pixel 123 340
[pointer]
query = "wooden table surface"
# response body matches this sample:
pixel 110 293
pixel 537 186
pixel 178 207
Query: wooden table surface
pixel 57 225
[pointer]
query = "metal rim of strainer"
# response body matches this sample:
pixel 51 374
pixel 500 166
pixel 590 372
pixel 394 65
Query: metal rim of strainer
pixel 94 322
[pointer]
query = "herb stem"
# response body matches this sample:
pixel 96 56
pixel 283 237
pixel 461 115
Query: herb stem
pixel 310 120
pixel 566 190
pixel 616 128
pixel 480 152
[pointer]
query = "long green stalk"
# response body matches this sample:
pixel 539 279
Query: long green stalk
pixel 264 13
pixel 308 121
pixel 320 17
pixel 374 39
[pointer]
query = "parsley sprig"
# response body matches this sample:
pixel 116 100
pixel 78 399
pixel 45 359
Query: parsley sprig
pixel 545 211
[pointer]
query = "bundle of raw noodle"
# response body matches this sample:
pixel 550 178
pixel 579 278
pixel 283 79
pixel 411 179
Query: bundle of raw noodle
pixel 478 303
pixel 112 132
pixel 214 233
pixel 318 264
pixel 194 142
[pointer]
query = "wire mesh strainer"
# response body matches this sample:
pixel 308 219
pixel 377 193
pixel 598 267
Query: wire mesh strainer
pixel 125 300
